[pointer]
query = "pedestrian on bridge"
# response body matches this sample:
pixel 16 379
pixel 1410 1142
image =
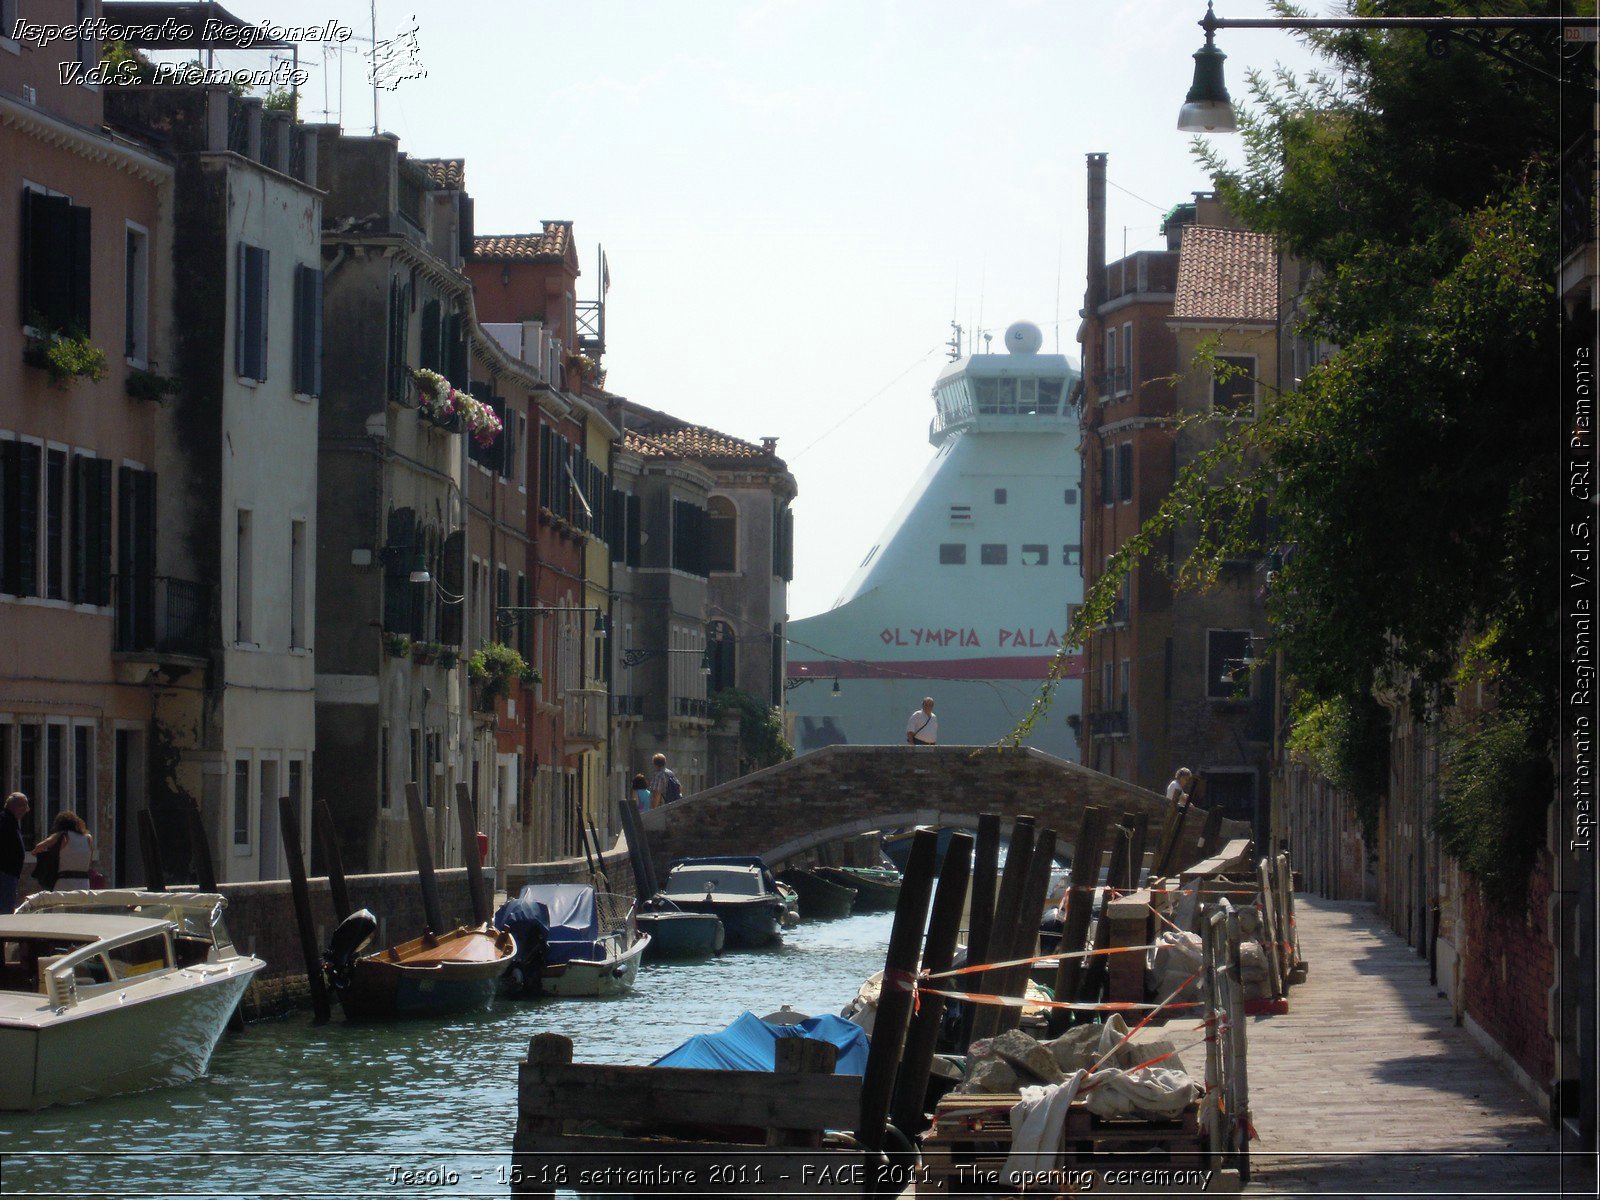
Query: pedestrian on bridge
pixel 1178 789
pixel 923 727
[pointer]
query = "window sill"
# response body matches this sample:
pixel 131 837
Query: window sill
pixel 247 381
pixel 305 397
pixel 241 851
pixel 136 362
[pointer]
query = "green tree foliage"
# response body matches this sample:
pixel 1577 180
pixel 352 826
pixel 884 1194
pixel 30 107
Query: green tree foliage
pixel 761 740
pixel 1410 478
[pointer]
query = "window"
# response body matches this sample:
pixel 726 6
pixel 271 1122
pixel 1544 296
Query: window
pixel 1108 475
pixel 1072 556
pixel 136 557
pixel 136 295
pixel 721 651
pixel 1070 496
pixel 952 554
pixel 431 353
pixel 243 556
pixel 961 512
pixel 1034 555
pixel 992 554
pixel 83 773
pixel 722 534
pixel 688 538
pixel 250 315
pixel 502 589
pixel 91 530
pixel 55 524
pixel 1237 392
pixel 999 495
pixel 55 770
pixel 241 802
pixel 1127 682
pixel 308 330
pixel 297 585
pixel 1126 372
pixel 524 625
pixel 1108 700
pixel 55 263
pixel 1111 381
pixel 1227 657
pixel 1125 472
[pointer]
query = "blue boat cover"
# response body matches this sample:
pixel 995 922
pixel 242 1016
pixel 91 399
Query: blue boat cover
pixel 566 913
pixel 750 1044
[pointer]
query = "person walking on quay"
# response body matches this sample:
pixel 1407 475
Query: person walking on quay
pixel 923 727
pixel 72 848
pixel 12 850
pixel 1178 789
pixel 664 785
pixel 641 792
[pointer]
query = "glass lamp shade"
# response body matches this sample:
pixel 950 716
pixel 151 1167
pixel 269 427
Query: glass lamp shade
pixel 1210 116
pixel 1207 108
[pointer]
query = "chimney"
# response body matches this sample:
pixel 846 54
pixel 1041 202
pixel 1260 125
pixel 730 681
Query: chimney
pixel 769 446
pixel 1095 295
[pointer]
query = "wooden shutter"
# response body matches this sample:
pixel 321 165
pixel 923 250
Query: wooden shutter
pixel 78 556
pixel 1125 471
pixel 456 349
pixel 308 330
pixel 452 583
pixel 431 358
pixel 99 564
pixel 82 256
pixel 48 255
pixel 635 531
pixel 250 324
pixel 25 576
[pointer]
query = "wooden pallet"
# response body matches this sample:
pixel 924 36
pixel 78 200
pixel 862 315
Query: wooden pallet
pixel 965 1150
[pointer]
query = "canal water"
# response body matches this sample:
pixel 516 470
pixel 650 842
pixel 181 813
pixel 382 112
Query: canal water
pixel 348 1110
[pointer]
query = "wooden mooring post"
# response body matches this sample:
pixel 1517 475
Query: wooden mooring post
pixel 1019 856
pixel 477 887
pixel 328 836
pixel 155 875
pixel 431 908
pixel 289 821
pixel 1080 904
pixel 1025 930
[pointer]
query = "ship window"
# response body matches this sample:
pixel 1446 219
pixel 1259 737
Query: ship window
pixel 993 554
pixel 868 558
pixel 1072 556
pixel 1070 496
pixel 1028 396
pixel 952 554
pixel 1035 555
pixel 961 512
pixel 1049 397
pixel 987 398
pixel 999 495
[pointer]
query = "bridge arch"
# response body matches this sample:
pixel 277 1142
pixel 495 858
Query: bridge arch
pixel 842 790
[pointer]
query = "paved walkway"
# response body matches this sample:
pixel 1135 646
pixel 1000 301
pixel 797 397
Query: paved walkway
pixel 1367 1087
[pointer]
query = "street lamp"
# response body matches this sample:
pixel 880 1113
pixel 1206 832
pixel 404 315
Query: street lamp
pixel 1513 40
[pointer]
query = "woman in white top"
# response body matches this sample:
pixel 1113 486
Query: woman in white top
pixel 70 837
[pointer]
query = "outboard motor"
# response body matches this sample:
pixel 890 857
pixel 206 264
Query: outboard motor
pixel 355 932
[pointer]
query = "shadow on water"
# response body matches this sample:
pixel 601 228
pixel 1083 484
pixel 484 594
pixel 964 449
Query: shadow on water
pixel 337 1109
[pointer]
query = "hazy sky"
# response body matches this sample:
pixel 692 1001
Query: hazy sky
pixel 797 196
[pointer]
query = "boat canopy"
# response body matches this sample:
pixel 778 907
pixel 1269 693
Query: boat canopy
pixel 565 912
pixel 750 1044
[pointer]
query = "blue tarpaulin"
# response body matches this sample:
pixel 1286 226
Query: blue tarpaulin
pixel 566 913
pixel 749 1044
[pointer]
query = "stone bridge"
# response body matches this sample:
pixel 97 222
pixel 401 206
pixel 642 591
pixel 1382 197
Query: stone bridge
pixel 843 790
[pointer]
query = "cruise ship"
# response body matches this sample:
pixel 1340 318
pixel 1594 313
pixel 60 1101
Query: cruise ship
pixel 966 594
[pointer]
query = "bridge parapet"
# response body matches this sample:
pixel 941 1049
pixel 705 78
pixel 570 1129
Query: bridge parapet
pixel 842 790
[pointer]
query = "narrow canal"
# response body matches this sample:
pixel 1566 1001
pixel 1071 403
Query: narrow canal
pixel 346 1110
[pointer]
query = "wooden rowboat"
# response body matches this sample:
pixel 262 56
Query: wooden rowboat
pixel 427 976
pixel 877 889
pixel 820 899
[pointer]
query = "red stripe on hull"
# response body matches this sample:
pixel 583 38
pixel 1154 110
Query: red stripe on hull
pixel 1033 667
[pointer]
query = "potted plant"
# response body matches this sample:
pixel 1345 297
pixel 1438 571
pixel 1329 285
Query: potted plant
pixel 494 667
pixel 67 355
pixel 448 658
pixel 148 385
pixel 437 402
pixel 396 645
pixel 424 652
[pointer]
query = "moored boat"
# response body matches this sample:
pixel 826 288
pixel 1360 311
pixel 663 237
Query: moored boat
pixel 431 975
pixel 571 941
pixel 820 899
pixel 112 991
pixel 738 890
pixel 877 888
pixel 678 934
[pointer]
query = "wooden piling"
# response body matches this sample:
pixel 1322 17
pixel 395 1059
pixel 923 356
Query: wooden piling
pixel 599 855
pixel 985 875
pixel 289 822
pixel 1210 833
pixel 155 875
pixel 1025 932
pixel 205 873
pixel 644 879
pixel 895 998
pixel 1080 903
pixel 1019 857
pixel 432 911
pixel 943 930
pixel 467 815
pixel 328 836
pixel 1137 846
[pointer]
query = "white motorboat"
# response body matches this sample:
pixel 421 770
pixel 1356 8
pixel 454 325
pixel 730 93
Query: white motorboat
pixel 104 992
pixel 571 941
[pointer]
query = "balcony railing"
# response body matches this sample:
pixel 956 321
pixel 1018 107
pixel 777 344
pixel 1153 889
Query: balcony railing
pixel 692 707
pixel 158 614
pixel 1112 723
pixel 627 706
pixel 585 715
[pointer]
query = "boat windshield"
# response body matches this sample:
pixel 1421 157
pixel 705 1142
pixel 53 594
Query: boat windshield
pixel 728 881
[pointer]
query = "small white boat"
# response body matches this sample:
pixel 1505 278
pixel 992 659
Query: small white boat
pixel 571 941
pixel 112 991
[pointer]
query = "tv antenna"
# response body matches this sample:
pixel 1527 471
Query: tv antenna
pixel 953 346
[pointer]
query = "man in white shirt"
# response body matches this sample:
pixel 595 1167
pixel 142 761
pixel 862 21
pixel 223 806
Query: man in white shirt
pixel 1178 789
pixel 923 727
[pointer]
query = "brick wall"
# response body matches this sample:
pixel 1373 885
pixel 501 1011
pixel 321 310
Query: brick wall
pixel 261 917
pixel 1509 969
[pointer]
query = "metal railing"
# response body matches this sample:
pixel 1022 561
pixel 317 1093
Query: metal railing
pixel 1112 723
pixel 627 706
pixel 691 706
pixel 162 615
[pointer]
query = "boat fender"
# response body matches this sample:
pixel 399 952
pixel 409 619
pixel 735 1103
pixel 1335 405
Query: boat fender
pixel 620 970
pixel 352 936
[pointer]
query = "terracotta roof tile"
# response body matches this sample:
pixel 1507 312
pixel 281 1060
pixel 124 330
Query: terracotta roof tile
pixel 1226 275
pixel 650 434
pixel 447 173
pixel 548 246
